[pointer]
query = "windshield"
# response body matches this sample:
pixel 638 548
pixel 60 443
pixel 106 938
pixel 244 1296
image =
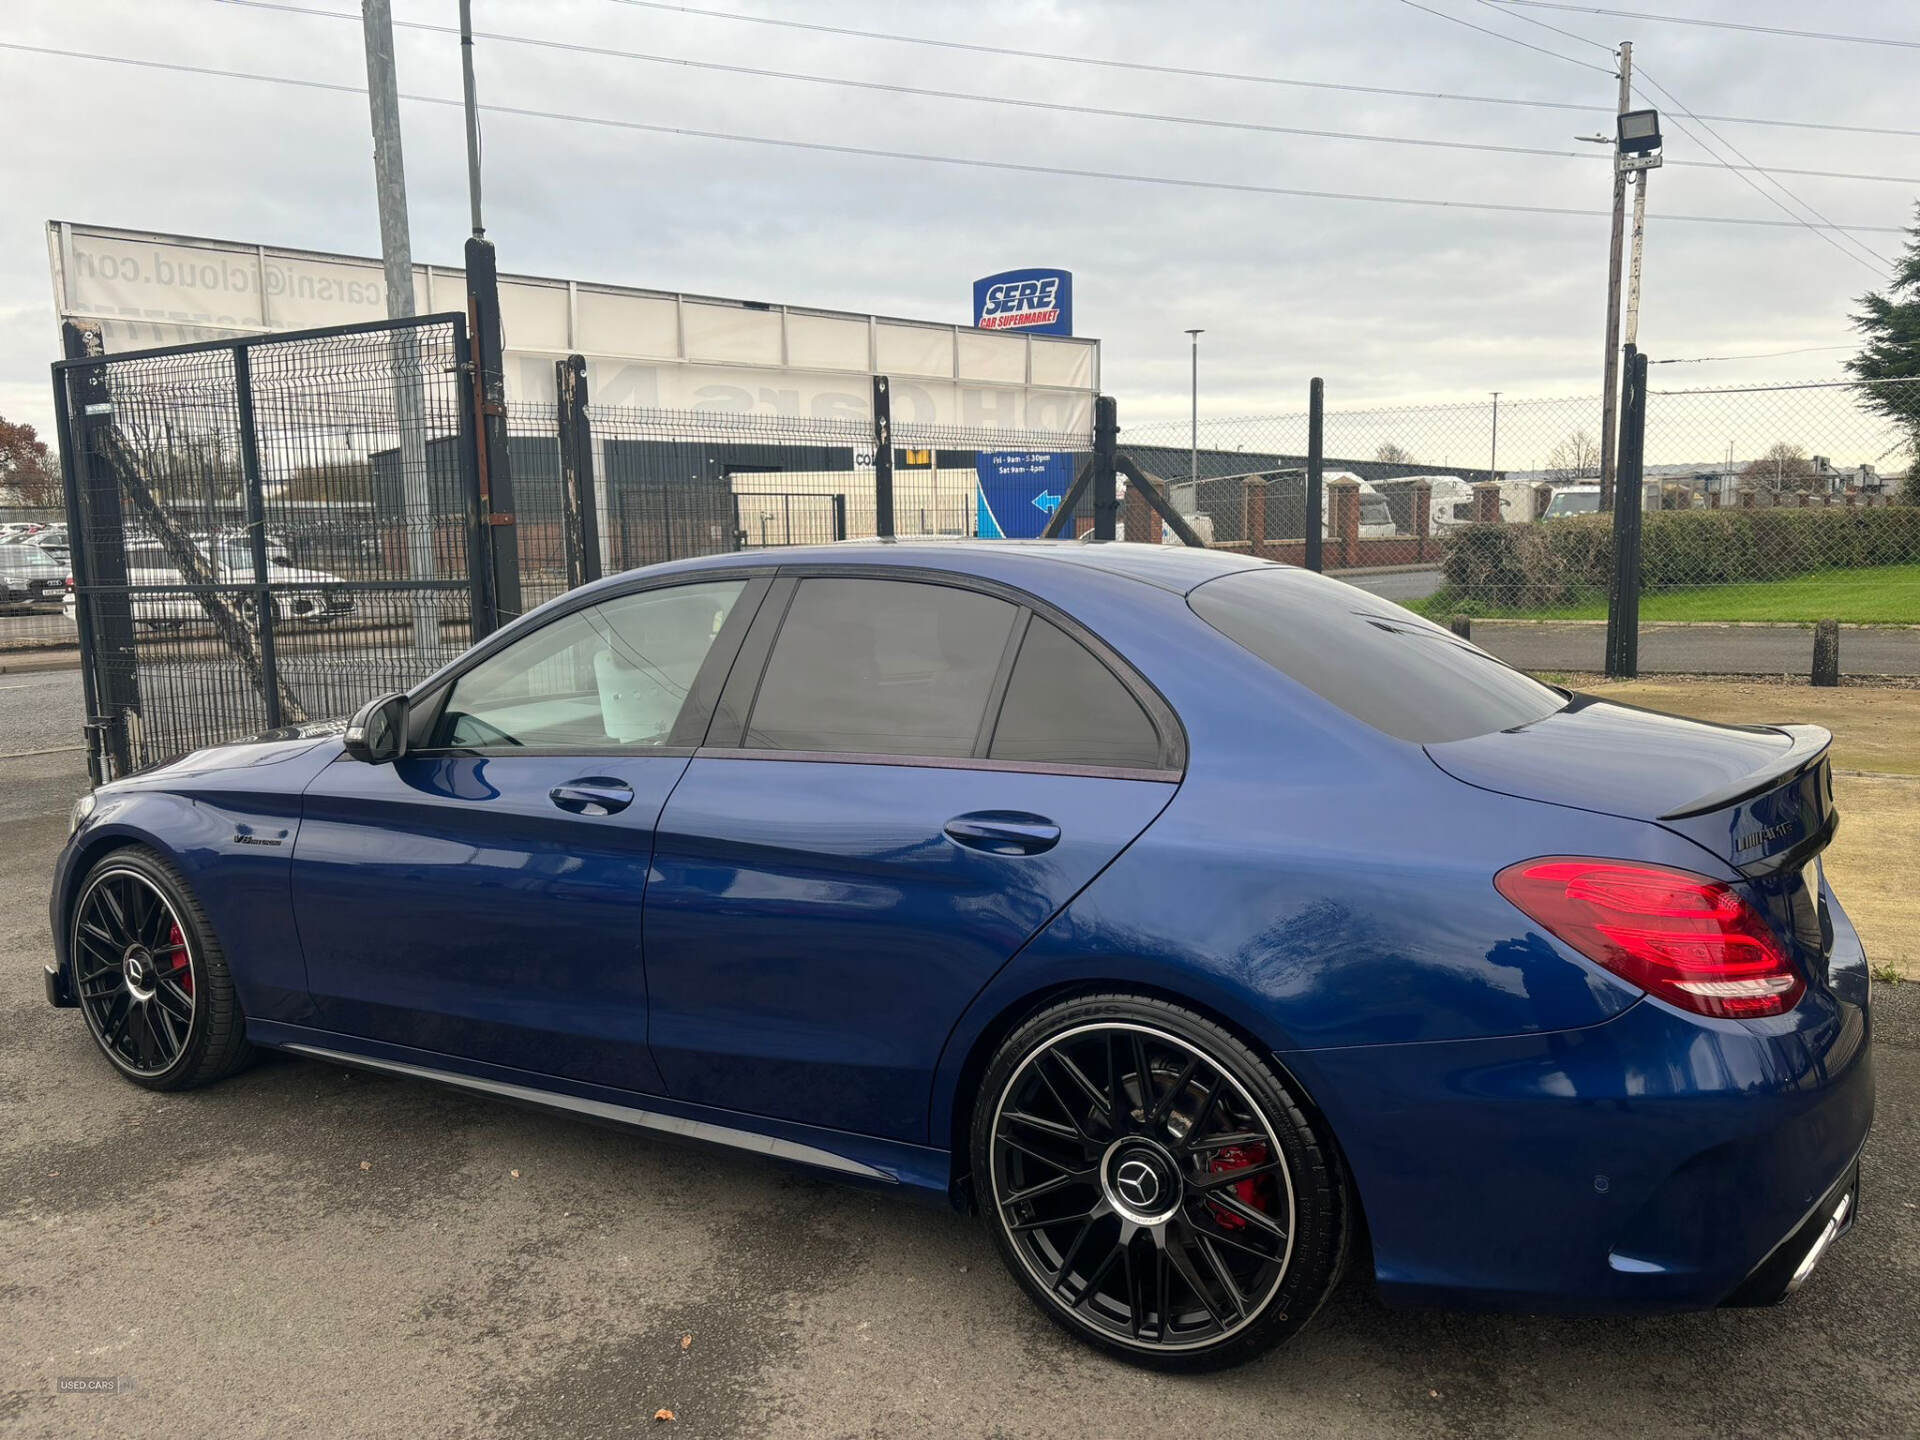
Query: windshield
pixel 1382 665
pixel 1374 511
pixel 1573 502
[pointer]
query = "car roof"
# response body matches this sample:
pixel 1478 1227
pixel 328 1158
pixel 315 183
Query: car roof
pixel 1175 568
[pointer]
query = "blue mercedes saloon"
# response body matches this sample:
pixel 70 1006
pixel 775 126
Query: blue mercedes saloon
pixel 1202 922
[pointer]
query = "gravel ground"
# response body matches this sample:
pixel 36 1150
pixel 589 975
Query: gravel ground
pixel 304 1251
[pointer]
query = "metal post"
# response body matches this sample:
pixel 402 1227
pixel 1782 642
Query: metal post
pixel 473 116
pixel 1623 593
pixel 396 253
pixel 882 458
pixel 257 538
pixel 1106 489
pixel 1316 471
pixel 1633 270
pixel 1610 381
pixel 97 552
pixel 1193 467
pixel 582 519
pixel 839 517
pixel 490 412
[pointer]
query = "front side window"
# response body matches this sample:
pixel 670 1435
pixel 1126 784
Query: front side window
pixel 612 675
pixel 881 667
pixel 1381 664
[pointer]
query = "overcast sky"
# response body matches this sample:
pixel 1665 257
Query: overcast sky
pixel 1391 303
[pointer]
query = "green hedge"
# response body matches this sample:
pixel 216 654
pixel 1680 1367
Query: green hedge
pixel 1567 562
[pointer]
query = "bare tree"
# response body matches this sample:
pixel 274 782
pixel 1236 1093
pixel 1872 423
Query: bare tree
pixel 1783 470
pixel 1393 454
pixel 1575 458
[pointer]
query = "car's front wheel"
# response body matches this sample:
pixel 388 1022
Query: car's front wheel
pixel 151 977
pixel 1154 1186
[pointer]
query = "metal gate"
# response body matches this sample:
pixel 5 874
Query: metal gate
pixel 267 530
pixel 788 517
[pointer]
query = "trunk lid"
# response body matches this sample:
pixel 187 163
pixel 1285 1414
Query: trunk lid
pixel 1758 796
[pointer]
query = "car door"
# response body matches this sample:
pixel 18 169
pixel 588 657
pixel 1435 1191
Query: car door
pixel 906 777
pixel 481 896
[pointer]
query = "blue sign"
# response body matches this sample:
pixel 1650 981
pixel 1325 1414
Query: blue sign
pixel 1040 301
pixel 1019 491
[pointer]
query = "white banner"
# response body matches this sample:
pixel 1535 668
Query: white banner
pixel 644 348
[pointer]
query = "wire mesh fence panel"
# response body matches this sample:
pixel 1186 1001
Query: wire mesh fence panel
pixel 1789 503
pixel 956 481
pixel 539 503
pixel 1430 487
pixel 269 531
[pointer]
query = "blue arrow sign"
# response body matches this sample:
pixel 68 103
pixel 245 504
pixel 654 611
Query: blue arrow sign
pixel 1046 501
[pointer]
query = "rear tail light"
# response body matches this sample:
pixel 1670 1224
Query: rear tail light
pixel 1687 939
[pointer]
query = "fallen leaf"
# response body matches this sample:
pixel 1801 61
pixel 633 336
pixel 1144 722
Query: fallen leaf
pixel 663 1414
pixel 1433 1394
pixel 686 1342
pixel 366 1164
pixel 514 1173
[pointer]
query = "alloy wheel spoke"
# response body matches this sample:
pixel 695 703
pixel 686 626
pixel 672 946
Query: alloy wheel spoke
pixel 1047 1187
pixel 1259 1219
pixel 116 915
pixel 1241 1240
pixel 1221 1272
pixel 1176 1252
pixel 1100 1099
pixel 1165 1107
pixel 1100 1273
pixel 1065 1273
pixel 1229 1140
pixel 1071 1134
pixel 1143 1072
pixel 174 1000
pixel 1014 1143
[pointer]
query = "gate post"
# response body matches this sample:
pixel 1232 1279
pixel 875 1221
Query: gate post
pixel 582 518
pixel 257 537
pixel 490 429
pixel 1106 440
pixel 1623 591
pixel 97 554
pixel 882 458
pixel 840 517
pixel 1316 471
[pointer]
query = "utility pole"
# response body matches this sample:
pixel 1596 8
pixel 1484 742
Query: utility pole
pixel 1193 467
pixel 472 110
pixel 1610 383
pixel 396 251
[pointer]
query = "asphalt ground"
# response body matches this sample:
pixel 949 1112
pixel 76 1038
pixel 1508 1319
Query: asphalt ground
pixel 304 1251
pixel 1700 649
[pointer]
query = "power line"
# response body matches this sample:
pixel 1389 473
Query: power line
pixel 1720 24
pixel 782 142
pixel 1861 249
pixel 1583 39
pixel 1145 67
pixel 1858 246
pixel 1510 39
pixel 1764 355
pixel 1063 107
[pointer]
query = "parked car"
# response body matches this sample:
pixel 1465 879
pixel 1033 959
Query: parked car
pixel 30 574
pixel 1174 909
pixel 1584 499
pixel 298 594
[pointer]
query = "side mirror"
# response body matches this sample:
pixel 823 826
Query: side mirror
pixel 378 733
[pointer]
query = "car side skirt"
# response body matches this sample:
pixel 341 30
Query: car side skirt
pixel 856 1158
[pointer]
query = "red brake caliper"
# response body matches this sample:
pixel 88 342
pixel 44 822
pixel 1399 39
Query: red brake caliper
pixel 1251 1192
pixel 183 968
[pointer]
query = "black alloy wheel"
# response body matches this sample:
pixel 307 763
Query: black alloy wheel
pixel 149 976
pixel 1154 1186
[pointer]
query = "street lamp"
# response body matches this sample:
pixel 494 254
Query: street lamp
pixel 1193 468
pixel 1637 155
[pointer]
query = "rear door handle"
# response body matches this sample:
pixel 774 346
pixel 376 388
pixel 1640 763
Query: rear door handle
pixel 1004 832
pixel 593 795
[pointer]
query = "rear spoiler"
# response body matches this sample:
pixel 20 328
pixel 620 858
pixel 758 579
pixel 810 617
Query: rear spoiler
pixel 1809 747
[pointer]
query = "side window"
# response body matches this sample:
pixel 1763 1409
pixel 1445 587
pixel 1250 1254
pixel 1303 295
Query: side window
pixel 1064 705
pixel 881 667
pixel 613 674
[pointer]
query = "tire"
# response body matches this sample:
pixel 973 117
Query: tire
pixel 1205 1225
pixel 153 983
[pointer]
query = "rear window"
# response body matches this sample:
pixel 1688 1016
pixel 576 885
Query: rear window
pixel 1382 665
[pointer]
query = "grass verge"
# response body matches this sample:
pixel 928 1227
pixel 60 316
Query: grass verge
pixel 1872 595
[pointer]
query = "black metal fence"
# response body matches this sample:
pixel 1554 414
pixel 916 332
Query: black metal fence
pixel 266 530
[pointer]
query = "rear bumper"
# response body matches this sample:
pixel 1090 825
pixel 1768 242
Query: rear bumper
pixel 1654 1162
pixel 1793 1261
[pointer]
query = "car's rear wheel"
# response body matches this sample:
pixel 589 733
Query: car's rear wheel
pixel 151 977
pixel 1154 1186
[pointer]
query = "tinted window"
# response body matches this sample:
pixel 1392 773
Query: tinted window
pixel 613 674
pixel 881 667
pixel 1064 705
pixel 1379 663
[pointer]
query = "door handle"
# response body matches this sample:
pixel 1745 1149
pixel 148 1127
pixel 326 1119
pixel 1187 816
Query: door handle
pixel 594 795
pixel 1004 832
